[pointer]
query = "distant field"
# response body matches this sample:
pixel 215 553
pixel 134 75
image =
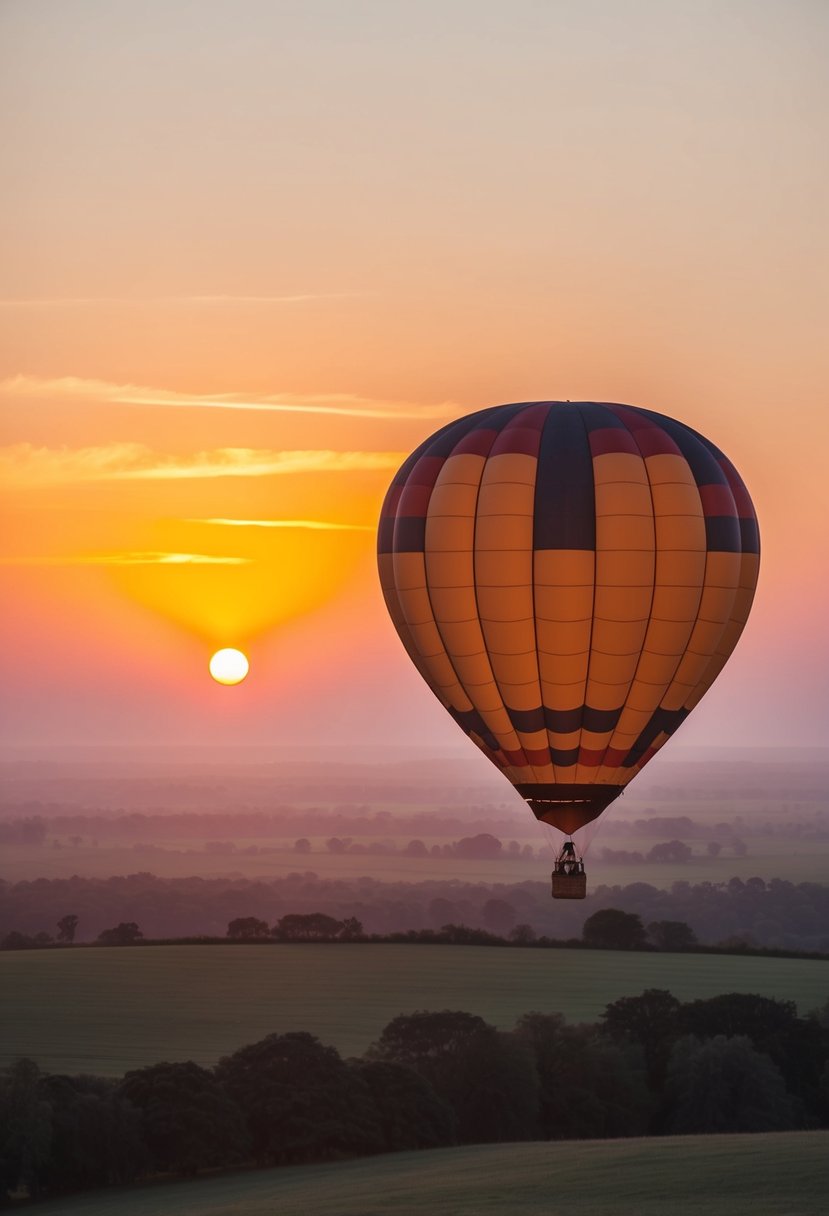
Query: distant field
pixel 798 861
pixel 107 1010
pixel 784 1174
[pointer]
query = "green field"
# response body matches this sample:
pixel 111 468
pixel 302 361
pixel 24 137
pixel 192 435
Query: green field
pixel 785 1174
pixel 107 1010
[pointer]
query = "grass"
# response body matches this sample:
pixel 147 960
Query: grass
pixel 782 1174
pixel 108 1010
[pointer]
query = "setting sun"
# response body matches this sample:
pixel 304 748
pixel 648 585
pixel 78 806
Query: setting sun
pixel 229 666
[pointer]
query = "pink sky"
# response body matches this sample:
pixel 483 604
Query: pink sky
pixel 255 253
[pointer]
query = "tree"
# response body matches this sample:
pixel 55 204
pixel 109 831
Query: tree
pixel 499 916
pixel 821 1014
pixel 301 1102
pixel 486 1077
pixel 336 845
pixel 713 848
pixel 410 1113
pixel 795 1045
pixel 670 851
pixel 523 934
pixel 188 1119
pixel 651 1021
pixel 351 929
pixel 96 1134
pixel 125 934
pixel 16 941
pixel 313 926
pixel 67 925
pixel 672 935
pixel 303 845
pixel 416 848
pixel 247 927
pixel 483 847
pixel 612 929
pixel 25 1129
pixel 724 1085
pixel 590 1087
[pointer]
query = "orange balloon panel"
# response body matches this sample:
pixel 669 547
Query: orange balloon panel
pixel 569 578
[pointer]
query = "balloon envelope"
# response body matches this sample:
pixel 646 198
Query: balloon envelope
pixel 569 578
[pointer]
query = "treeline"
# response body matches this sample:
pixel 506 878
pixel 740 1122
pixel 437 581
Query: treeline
pixel 607 929
pixel 651 1066
pixel 33 824
pixel 776 914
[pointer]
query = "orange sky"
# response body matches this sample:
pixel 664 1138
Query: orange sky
pixel 255 252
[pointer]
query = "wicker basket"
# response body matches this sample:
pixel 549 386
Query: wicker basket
pixel 569 886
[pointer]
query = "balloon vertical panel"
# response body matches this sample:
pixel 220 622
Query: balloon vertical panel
pixel 569 578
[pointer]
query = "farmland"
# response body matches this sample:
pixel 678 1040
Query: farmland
pixel 719 1175
pixel 108 1010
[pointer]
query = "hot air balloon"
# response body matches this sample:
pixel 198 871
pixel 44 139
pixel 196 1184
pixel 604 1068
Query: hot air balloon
pixel 569 578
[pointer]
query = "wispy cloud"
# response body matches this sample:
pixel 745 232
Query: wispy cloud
pixel 321 525
pixel 140 558
pixel 161 301
pixel 23 464
pixel 68 388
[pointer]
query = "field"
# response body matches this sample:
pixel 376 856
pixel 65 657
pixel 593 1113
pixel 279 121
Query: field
pixel 107 1010
pixel 785 1174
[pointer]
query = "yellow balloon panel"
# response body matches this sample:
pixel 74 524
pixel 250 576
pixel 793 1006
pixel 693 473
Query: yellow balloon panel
pixel 569 577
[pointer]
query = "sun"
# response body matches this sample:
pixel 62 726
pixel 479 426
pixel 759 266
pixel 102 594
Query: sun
pixel 229 666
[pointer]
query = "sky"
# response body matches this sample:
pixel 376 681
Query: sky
pixel 255 251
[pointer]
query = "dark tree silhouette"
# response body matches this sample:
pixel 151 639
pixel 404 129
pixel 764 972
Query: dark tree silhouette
pixel 188 1120
pixel 313 926
pixel 300 1101
pixel 651 1021
pixel 794 1044
pixel 125 934
pixel 96 1134
pixel 351 929
pixel 67 927
pixel 612 929
pixel 522 933
pixel 25 1129
pixel 590 1087
pixel 17 941
pixel 487 1078
pixel 410 1113
pixel 248 926
pixel 724 1085
pixel 483 847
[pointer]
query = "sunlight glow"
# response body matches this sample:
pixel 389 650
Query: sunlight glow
pixel 229 666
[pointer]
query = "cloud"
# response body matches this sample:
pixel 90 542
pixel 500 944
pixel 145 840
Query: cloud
pixel 149 558
pixel 342 404
pixel 315 524
pixel 25 465
pixel 156 301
